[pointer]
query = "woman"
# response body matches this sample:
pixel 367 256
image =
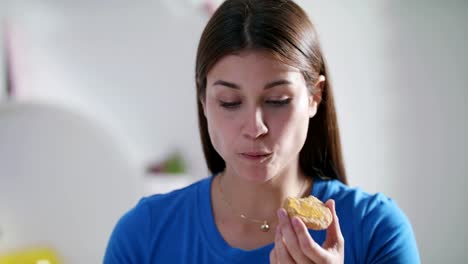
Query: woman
pixel 269 130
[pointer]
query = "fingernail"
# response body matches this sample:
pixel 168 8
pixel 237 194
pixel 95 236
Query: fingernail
pixel 295 222
pixel 282 214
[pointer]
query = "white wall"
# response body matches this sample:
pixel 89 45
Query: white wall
pixel 57 173
pixel 426 47
pixel 119 63
pixel 109 63
pixel 2 66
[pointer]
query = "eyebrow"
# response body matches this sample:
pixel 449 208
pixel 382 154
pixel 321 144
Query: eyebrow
pixel 267 86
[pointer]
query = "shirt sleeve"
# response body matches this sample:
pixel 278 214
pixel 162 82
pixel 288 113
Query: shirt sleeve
pixel 129 240
pixel 391 237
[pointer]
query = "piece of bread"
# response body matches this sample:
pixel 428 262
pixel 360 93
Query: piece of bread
pixel 310 210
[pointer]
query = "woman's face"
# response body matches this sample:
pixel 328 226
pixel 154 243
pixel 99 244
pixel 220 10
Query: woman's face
pixel 258 112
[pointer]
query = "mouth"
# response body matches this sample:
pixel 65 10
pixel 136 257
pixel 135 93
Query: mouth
pixel 256 156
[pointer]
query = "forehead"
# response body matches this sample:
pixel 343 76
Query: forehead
pixel 251 65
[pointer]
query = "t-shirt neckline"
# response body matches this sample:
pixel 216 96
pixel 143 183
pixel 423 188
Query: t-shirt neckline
pixel 213 238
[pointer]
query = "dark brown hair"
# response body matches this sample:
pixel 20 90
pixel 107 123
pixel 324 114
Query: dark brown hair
pixel 283 29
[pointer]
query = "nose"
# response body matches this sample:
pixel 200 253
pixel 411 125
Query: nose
pixel 254 125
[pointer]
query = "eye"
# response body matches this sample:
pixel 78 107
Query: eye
pixel 230 105
pixel 278 103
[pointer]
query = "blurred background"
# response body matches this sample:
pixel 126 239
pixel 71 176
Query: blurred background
pixel 97 109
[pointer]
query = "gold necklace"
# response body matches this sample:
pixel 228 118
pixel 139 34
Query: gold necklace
pixel 264 224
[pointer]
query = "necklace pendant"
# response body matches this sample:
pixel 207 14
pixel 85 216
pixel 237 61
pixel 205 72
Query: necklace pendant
pixel 265 226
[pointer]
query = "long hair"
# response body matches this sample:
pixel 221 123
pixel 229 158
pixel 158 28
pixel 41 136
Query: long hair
pixel 282 29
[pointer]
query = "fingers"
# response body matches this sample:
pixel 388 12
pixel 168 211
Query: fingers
pixel 273 259
pixel 290 239
pixel 334 238
pixel 282 254
pixel 294 244
pixel 308 246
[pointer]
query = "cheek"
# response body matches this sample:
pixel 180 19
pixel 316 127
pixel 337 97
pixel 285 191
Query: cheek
pixel 289 128
pixel 222 129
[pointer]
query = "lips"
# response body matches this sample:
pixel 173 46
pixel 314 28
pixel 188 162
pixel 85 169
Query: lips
pixel 256 155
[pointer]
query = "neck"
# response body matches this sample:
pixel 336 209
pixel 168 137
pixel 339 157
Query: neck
pixel 259 201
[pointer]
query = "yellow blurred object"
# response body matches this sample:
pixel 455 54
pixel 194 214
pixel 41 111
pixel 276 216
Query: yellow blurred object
pixel 41 255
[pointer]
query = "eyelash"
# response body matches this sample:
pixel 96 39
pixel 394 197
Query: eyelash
pixel 279 102
pixel 273 103
pixel 229 105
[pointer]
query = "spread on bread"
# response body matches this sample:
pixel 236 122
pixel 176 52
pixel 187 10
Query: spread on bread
pixel 310 210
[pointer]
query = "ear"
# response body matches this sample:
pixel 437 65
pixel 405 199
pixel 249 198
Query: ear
pixel 316 97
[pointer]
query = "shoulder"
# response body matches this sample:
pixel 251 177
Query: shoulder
pixel 177 198
pixel 391 238
pixel 162 209
pixel 129 232
pixel 381 226
pixel 136 227
pixel 360 202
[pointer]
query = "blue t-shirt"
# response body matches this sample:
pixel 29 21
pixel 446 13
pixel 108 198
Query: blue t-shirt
pixel 178 227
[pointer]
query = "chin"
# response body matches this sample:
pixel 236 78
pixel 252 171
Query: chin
pixel 256 174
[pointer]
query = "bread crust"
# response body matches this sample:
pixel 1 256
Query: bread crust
pixel 310 210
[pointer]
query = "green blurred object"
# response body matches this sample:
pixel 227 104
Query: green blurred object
pixel 37 255
pixel 174 164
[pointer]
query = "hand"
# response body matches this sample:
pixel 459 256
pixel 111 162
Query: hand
pixel 293 243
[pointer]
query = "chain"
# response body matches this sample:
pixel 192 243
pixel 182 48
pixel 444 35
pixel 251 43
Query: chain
pixel 265 224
